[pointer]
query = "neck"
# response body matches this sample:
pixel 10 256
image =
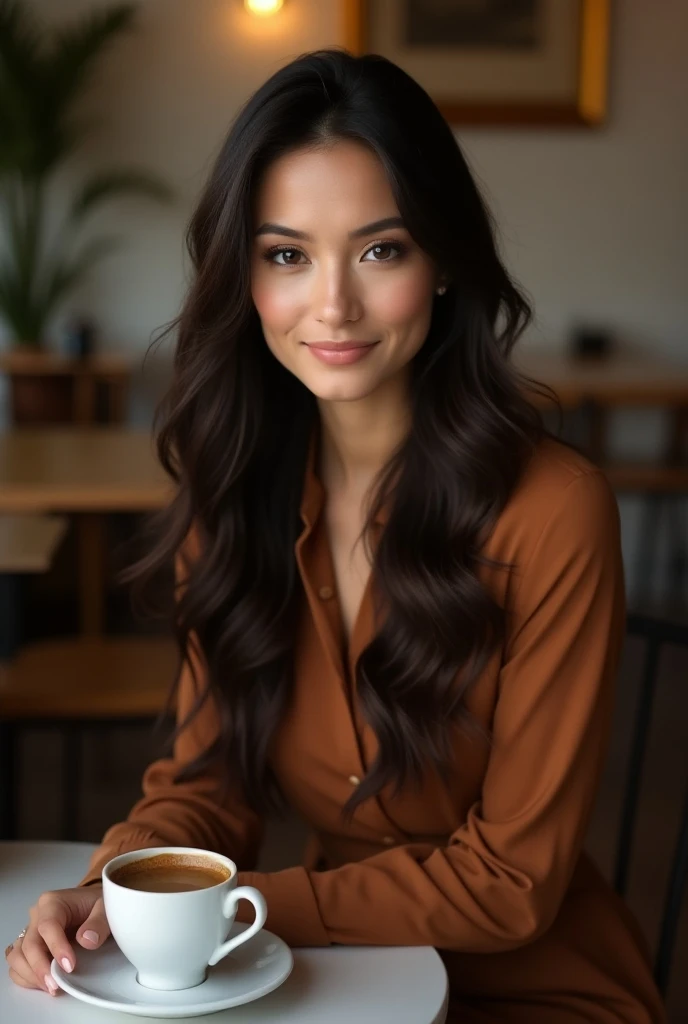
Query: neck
pixel 358 438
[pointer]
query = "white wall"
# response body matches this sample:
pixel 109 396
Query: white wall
pixel 593 223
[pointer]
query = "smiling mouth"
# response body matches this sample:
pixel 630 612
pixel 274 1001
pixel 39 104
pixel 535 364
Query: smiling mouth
pixel 340 353
pixel 339 346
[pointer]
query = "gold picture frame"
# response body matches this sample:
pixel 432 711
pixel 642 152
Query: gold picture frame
pixel 583 105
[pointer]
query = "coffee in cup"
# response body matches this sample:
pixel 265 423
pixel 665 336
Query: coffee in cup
pixel 170 910
pixel 171 872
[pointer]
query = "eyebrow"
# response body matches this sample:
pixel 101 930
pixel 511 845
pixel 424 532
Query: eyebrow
pixel 270 228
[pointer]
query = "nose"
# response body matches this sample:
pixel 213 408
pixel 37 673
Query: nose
pixel 336 300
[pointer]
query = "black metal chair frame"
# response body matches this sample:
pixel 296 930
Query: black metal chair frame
pixel 657 634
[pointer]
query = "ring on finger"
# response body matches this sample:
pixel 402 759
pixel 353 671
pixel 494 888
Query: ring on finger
pixel 8 949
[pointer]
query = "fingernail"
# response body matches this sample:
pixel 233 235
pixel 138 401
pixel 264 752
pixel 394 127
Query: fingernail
pixel 90 937
pixel 66 964
pixel 50 984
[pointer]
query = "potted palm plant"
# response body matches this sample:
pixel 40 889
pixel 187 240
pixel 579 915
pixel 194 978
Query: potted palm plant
pixel 43 73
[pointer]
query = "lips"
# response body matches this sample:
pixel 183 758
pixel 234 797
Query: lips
pixel 339 346
pixel 340 353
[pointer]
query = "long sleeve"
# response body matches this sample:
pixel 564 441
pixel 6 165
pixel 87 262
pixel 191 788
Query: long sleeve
pixel 499 882
pixel 187 813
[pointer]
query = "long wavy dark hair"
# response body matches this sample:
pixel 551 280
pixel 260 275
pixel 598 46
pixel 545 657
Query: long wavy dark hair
pixel 234 429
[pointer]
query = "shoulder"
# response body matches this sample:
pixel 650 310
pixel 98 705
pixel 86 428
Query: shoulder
pixel 562 495
pixel 553 472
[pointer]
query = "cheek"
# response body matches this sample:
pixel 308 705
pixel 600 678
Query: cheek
pixel 404 299
pixel 277 301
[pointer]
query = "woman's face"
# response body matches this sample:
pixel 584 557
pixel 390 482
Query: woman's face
pixel 344 299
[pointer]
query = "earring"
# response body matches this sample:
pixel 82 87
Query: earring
pixel 442 289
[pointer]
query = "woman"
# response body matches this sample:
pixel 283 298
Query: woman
pixel 400 601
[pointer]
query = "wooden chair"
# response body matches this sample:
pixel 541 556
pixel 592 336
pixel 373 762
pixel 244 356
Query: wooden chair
pixel 657 635
pixel 77 684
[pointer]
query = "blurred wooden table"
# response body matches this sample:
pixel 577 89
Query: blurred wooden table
pixel 87 472
pixel 598 386
pixel 111 370
pixel 620 379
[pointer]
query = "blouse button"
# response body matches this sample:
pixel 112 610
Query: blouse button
pixel 354 780
pixel 325 593
pixel 389 841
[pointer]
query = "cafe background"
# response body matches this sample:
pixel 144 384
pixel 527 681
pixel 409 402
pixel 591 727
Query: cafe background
pixel 592 210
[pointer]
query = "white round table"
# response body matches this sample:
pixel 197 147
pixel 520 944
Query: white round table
pixel 327 986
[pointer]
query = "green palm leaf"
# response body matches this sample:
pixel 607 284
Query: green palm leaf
pixel 69 64
pixel 20 46
pixel 40 80
pixel 42 75
pixel 75 50
pixel 18 306
pixel 67 274
pixel 28 314
pixel 112 185
pixel 11 301
pixel 21 76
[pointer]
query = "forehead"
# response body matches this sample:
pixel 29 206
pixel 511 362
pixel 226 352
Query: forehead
pixel 344 183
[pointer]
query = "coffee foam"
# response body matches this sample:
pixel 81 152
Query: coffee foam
pixel 169 862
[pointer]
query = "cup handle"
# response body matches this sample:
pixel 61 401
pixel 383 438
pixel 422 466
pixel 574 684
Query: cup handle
pixel 244 892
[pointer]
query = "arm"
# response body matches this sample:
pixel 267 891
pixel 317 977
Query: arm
pixel 500 881
pixel 189 813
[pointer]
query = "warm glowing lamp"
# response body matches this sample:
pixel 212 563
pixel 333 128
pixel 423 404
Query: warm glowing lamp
pixel 263 8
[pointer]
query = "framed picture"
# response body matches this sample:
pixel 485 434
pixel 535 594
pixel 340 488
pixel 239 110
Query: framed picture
pixel 495 62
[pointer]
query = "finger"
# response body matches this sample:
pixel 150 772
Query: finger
pixel 16 962
pixel 95 929
pixel 36 954
pixel 53 935
pixel 22 970
pixel 22 974
pixel 20 979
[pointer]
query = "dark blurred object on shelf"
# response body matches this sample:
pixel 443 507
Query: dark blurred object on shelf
pixel 80 338
pixel 590 342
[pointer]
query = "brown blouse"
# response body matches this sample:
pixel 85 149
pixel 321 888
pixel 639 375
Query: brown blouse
pixel 488 866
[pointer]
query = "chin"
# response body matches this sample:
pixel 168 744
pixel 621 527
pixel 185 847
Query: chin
pixel 340 387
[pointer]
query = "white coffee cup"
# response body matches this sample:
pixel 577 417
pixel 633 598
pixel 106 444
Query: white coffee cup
pixel 172 937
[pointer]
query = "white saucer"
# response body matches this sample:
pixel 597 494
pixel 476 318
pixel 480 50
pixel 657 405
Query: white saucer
pixel 104 977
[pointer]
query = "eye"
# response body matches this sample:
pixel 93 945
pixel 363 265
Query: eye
pixel 381 252
pixel 291 256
